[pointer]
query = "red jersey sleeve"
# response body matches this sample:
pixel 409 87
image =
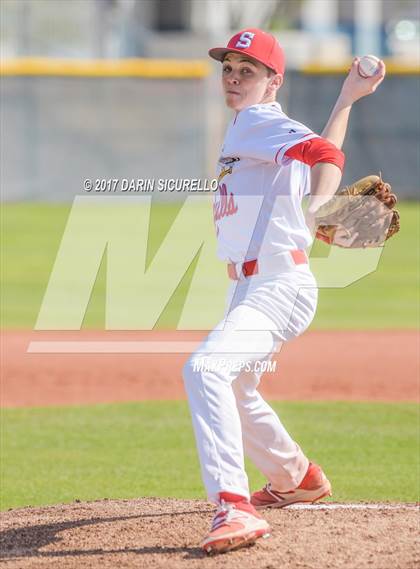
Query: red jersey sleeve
pixel 316 150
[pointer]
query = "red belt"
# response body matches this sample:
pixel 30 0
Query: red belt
pixel 250 268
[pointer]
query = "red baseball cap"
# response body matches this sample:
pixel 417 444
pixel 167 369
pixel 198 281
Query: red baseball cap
pixel 256 44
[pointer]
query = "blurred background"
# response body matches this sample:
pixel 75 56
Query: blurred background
pixel 124 88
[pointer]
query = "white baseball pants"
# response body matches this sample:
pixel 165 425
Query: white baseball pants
pixel 221 378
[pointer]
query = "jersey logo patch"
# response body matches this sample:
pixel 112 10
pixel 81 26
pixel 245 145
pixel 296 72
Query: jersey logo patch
pixel 228 160
pixel 224 173
pixel 245 40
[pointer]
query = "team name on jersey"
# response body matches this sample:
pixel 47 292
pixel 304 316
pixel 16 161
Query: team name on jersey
pixel 225 206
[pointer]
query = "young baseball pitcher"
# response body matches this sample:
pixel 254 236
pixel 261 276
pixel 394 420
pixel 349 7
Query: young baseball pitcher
pixel 268 162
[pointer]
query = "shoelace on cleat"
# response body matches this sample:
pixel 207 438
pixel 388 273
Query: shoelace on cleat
pixel 226 513
pixel 276 495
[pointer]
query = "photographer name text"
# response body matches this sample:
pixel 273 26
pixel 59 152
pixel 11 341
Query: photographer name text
pixel 147 185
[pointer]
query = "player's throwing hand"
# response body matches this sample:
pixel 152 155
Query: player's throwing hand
pixel 355 86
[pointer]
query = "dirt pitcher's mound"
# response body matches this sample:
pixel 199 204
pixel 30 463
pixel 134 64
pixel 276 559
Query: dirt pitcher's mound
pixel 153 532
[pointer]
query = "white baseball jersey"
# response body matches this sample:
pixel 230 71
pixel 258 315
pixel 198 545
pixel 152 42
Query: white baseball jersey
pixel 257 208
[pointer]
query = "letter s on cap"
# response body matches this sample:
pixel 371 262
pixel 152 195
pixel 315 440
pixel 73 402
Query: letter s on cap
pixel 245 39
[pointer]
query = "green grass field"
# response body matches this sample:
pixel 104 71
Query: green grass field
pixel 54 455
pixel 31 235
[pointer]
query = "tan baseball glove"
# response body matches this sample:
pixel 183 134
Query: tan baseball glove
pixel 360 215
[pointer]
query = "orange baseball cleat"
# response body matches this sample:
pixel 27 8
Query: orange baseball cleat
pixel 313 487
pixel 236 524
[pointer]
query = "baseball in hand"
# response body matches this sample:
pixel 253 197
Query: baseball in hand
pixel 368 66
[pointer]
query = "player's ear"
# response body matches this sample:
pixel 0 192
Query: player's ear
pixel 276 81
